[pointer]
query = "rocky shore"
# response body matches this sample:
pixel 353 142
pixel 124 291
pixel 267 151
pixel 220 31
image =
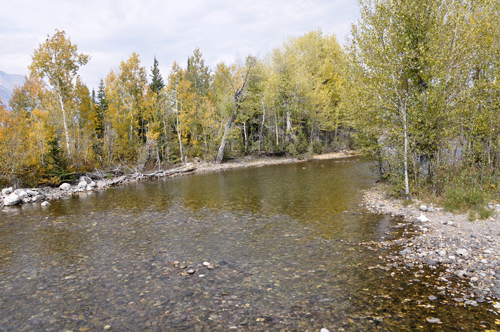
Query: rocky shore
pixel 100 181
pixel 463 255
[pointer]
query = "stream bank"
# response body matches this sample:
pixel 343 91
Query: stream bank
pixel 95 181
pixel 464 254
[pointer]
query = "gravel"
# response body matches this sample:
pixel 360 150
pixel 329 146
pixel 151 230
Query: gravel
pixel 465 252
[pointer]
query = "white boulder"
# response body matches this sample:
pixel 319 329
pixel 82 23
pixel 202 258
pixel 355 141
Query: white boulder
pixel 45 203
pixel 21 193
pixel 86 179
pixel 31 192
pixel 12 199
pixel 65 186
pixel 7 191
pixel 423 218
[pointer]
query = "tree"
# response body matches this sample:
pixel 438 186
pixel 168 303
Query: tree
pixel 126 93
pixel 416 68
pixel 58 60
pixel 237 83
pixel 156 79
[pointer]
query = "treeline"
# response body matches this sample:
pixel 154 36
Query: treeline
pixel 288 102
pixel 425 90
pixel 415 88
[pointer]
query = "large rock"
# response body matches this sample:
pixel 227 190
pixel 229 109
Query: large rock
pixel 31 192
pixel 38 198
pixel 21 193
pixel 91 185
pixel 101 184
pixel 65 186
pixel 12 199
pixel 82 185
pixel 86 179
pixel 7 191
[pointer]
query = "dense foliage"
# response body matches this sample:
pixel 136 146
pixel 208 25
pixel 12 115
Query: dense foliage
pixel 425 90
pixel 287 102
pixel 416 86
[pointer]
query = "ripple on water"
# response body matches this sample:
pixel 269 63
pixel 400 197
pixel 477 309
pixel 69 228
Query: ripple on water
pixel 283 254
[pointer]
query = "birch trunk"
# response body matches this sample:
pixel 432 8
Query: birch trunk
pixel 407 187
pixel 227 127
pixel 66 132
pixel 179 131
pixel 261 134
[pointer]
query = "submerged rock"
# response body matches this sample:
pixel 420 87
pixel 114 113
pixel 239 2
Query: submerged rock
pixel 433 320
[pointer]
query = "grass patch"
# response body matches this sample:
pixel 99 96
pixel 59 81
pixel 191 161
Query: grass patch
pixel 472 215
pixel 485 213
pixel 459 199
pixel 406 202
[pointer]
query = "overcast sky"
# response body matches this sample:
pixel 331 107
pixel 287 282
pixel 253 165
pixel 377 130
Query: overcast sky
pixel 110 30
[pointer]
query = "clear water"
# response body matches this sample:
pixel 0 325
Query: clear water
pixel 284 240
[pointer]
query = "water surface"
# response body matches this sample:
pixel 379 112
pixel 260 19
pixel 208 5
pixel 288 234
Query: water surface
pixel 284 239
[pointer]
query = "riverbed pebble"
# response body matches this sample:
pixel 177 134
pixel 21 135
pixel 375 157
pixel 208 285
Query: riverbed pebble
pixel 466 251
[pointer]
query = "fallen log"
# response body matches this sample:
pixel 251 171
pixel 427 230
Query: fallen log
pixel 118 180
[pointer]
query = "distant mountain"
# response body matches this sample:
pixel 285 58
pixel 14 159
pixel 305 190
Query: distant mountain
pixel 7 83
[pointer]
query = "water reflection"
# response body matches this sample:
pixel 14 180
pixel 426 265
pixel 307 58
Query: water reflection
pixel 284 239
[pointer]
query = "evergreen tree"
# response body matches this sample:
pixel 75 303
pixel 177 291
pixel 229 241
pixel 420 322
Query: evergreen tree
pixel 102 100
pixel 157 81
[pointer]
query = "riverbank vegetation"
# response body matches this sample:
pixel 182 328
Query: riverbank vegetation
pixel 414 88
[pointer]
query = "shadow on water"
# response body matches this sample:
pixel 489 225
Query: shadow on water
pixel 283 239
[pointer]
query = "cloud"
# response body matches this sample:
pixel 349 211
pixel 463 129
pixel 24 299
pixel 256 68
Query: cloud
pixel 111 30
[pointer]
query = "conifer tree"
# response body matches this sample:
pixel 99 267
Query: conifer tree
pixel 157 81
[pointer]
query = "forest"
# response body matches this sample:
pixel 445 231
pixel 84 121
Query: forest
pixel 414 88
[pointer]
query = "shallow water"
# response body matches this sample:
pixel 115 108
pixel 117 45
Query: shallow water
pixel 284 239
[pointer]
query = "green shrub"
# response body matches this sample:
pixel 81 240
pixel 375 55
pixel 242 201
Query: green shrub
pixel 317 147
pixel 472 215
pixel 460 199
pixel 484 213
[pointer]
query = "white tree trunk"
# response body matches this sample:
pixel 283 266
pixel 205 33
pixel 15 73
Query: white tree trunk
pixel 261 134
pixel 245 134
pixel 66 132
pixel 288 125
pixel 407 187
pixel 227 127
pixel 179 134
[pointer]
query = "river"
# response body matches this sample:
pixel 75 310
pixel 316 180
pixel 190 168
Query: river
pixel 283 240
